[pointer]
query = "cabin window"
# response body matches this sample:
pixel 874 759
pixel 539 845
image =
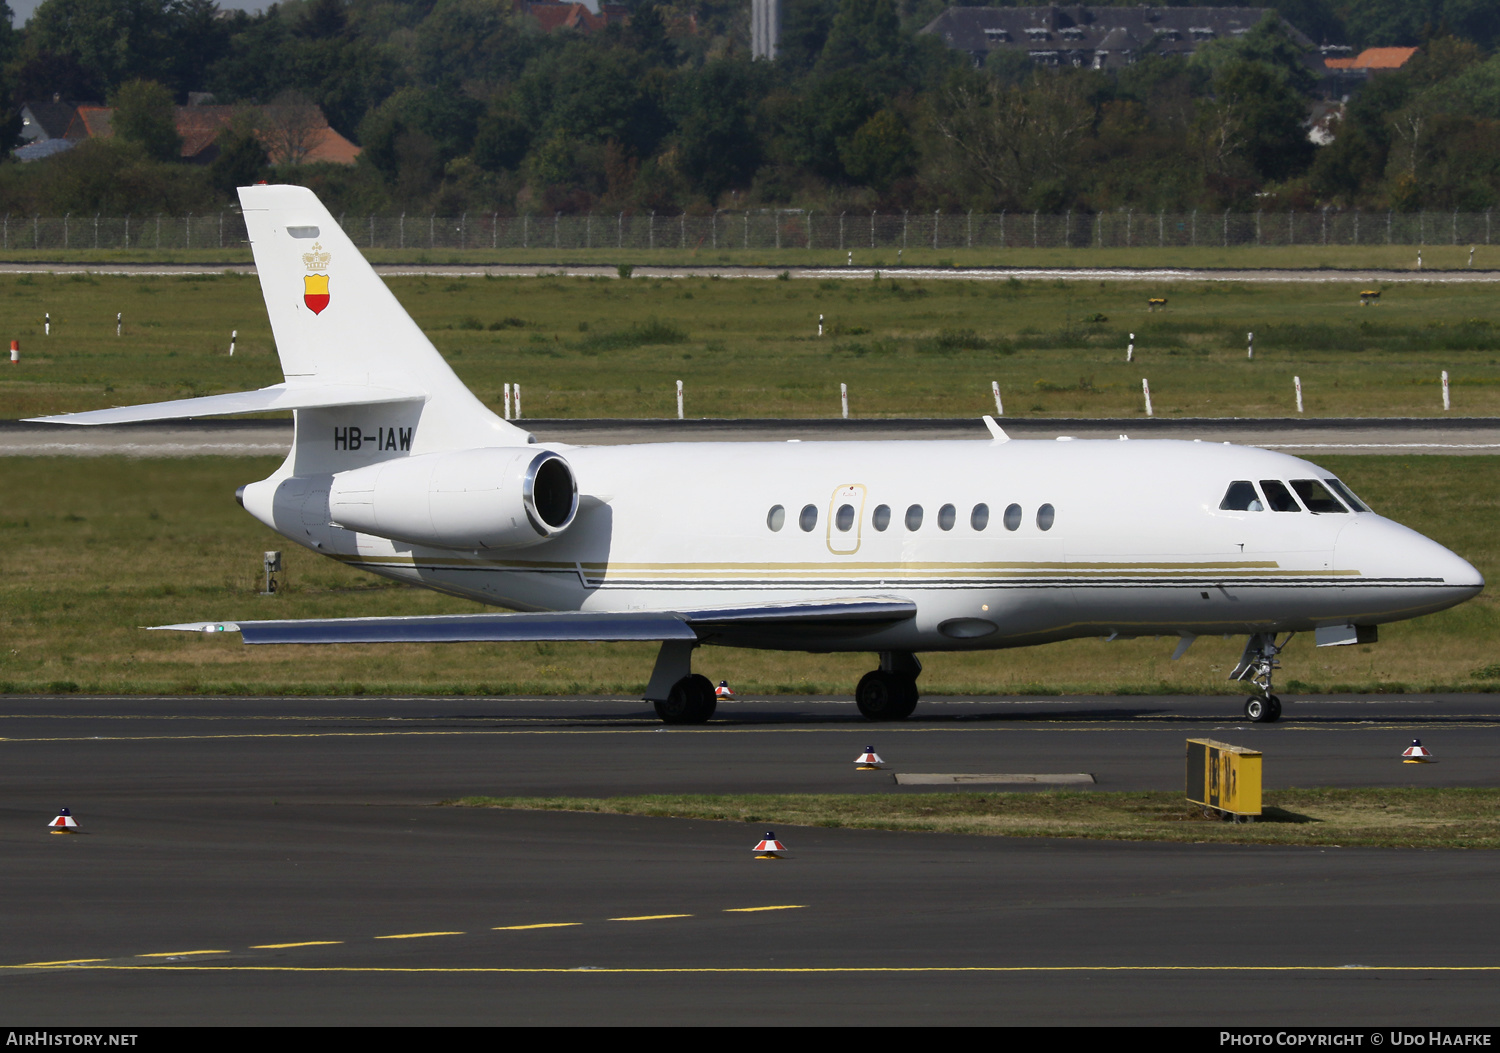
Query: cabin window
pixel 1347 494
pixel 1044 517
pixel 914 517
pixel 844 517
pixel 947 516
pixel 882 517
pixel 1315 496
pixel 1241 497
pixel 776 518
pixel 1012 517
pixel 1278 496
pixel 809 517
pixel 980 517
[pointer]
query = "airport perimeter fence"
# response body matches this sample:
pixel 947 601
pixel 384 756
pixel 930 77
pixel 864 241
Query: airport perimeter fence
pixel 779 229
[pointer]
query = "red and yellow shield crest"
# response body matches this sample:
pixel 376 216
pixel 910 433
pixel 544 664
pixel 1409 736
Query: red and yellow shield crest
pixel 315 292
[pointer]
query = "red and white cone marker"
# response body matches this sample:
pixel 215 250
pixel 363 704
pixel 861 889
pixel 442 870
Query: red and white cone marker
pixel 768 847
pixel 723 690
pixel 1417 753
pixel 869 760
pixel 64 823
pixel 15 351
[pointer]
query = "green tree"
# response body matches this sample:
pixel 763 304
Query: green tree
pixel 1269 114
pixel 804 30
pixel 880 152
pixel 716 145
pixel 501 139
pixel 427 126
pixel 863 32
pixel 241 160
pixel 119 39
pixel 471 40
pixel 144 114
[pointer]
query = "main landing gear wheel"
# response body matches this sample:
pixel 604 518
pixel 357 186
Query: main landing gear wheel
pixel 886 696
pixel 1263 710
pixel 690 701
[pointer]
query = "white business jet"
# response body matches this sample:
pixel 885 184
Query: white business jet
pixel 890 547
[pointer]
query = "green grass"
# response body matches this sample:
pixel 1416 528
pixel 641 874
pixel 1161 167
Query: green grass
pixel 604 347
pixel 95 548
pixel 1385 818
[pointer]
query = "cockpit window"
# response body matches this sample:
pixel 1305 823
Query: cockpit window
pixel 1241 497
pixel 1316 496
pixel 1344 492
pixel 1278 496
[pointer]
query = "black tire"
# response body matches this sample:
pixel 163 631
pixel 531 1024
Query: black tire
pixel 909 696
pixel 690 701
pixel 886 696
pixel 1257 711
pixel 1274 712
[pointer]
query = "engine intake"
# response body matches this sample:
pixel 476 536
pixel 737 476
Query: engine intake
pixel 485 499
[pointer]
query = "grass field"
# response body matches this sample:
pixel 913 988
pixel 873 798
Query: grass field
pixel 609 348
pixel 1387 817
pixel 95 548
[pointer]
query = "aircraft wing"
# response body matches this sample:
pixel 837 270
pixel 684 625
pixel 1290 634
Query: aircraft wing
pixel 809 616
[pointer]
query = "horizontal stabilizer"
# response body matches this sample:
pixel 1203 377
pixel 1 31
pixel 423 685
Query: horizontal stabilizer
pixel 263 400
pixel 558 625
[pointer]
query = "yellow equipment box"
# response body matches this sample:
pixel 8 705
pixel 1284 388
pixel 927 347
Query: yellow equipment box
pixel 1224 778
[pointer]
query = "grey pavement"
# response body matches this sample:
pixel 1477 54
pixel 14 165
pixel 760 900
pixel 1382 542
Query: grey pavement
pixel 284 860
pixel 1310 437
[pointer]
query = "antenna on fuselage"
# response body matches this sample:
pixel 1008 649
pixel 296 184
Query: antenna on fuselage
pixel 997 433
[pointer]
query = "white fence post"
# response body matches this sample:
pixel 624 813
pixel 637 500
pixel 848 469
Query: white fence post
pixel 1297 386
pixel 844 397
pixel 995 387
pixel 1146 391
pixel 679 400
pixel 1446 404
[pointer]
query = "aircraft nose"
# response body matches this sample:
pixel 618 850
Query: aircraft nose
pixel 1379 548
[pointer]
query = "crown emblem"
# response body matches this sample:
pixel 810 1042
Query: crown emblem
pixel 317 259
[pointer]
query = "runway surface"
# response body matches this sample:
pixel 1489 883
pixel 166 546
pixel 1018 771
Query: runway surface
pixel 285 861
pixel 1408 435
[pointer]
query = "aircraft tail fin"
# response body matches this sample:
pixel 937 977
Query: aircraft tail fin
pixel 337 325
pixel 362 380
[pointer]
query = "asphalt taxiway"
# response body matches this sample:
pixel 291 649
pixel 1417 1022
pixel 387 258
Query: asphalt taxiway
pixel 252 860
pixel 1307 437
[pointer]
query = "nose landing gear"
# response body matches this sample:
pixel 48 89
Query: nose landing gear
pixel 1257 665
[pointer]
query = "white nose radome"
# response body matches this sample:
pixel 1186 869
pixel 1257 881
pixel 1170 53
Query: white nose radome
pixel 1379 549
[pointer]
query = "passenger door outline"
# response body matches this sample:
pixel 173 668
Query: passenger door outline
pixel 842 543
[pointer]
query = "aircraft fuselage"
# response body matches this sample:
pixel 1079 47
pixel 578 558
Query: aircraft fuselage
pixel 999 544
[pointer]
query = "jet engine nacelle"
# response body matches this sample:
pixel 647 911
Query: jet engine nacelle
pixel 476 499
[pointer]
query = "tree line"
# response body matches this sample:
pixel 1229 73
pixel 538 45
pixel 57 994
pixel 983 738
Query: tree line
pixel 468 106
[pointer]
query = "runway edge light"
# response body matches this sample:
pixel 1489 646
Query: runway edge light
pixel 64 823
pixel 1417 753
pixel 869 760
pixel 768 847
pixel 723 690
